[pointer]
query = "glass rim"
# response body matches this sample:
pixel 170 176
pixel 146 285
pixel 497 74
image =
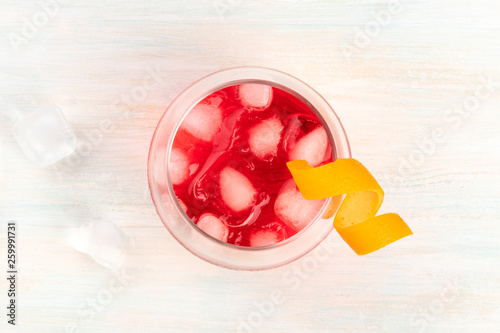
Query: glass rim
pixel 182 104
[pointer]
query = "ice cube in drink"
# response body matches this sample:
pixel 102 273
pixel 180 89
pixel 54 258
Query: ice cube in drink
pixel 228 164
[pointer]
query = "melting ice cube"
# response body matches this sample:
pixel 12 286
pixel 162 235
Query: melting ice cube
pixel 213 226
pixel 265 237
pixel 45 136
pixel 255 96
pixel 179 166
pixel 236 190
pixel 203 121
pixel 102 241
pixel 183 206
pixel 264 138
pixel 312 147
pixel 291 207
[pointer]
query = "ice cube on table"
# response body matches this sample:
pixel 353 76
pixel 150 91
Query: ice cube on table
pixel 292 209
pixel 255 96
pixel 264 138
pixel 236 190
pixel 103 241
pixel 312 147
pixel 179 166
pixel 265 237
pixel 203 122
pixel 45 136
pixel 213 226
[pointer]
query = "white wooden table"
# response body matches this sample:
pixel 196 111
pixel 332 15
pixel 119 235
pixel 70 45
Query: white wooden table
pixel 394 73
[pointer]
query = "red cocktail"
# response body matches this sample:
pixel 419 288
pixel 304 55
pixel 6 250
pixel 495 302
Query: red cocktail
pixel 217 167
pixel 228 164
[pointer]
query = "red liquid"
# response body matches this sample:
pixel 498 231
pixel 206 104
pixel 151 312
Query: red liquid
pixel 227 147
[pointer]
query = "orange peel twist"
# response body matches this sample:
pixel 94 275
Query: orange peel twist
pixel 355 221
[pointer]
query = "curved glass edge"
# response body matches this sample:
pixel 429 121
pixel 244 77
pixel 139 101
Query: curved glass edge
pixel 181 227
